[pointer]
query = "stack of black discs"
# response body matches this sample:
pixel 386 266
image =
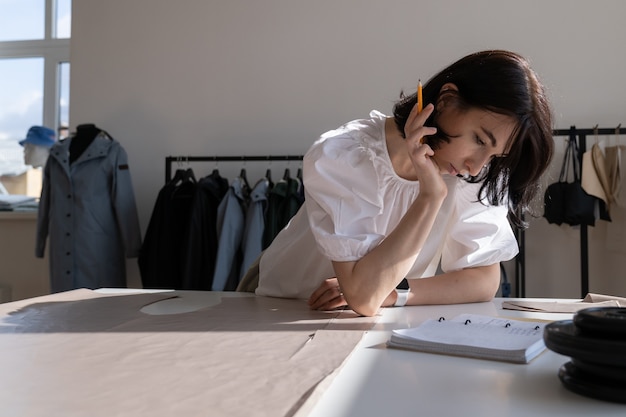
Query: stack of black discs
pixel 595 341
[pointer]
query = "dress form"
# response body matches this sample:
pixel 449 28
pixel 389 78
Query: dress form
pixel 85 134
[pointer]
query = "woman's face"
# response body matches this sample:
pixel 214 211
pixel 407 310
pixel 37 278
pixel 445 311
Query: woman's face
pixel 476 136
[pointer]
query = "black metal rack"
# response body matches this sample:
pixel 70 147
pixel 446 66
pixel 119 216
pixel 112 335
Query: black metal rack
pixel 520 262
pixel 184 159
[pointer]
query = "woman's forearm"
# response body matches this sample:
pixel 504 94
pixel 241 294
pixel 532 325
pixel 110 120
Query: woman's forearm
pixel 469 285
pixel 367 282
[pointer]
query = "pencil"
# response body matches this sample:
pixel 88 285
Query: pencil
pixel 420 102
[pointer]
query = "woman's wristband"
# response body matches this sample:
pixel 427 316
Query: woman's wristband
pixel 402 297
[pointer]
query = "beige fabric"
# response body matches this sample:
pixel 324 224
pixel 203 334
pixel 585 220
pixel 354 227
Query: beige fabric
pixel 614 157
pixel 590 180
pixel 611 161
pixel 102 356
pixel 599 165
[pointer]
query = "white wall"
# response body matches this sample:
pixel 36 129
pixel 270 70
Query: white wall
pixel 198 77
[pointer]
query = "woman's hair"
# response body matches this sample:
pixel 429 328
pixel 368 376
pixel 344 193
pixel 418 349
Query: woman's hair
pixel 501 82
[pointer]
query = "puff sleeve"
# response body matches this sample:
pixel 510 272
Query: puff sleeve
pixel 479 234
pixel 342 198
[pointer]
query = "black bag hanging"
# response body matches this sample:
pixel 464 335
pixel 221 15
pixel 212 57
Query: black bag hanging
pixel 567 202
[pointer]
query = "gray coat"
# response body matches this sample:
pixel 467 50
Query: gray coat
pixel 88 210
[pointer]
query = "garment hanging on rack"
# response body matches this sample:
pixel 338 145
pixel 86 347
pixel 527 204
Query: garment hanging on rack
pixel 161 254
pixel 620 187
pixel 230 227
pixel 593 176
pixel 200 247
pixel 284 200
pixel 613 156
pixel 252 243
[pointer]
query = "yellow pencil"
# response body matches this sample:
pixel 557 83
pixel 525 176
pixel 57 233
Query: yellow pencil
pixel 420 101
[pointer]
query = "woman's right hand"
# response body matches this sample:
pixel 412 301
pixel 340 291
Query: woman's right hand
pixel 328 296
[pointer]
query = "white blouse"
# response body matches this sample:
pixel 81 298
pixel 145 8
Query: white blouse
pixel 354 198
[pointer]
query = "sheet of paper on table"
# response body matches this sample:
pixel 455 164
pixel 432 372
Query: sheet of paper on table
pixel 81 353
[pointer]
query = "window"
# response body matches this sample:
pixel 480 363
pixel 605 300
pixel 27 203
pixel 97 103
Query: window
pixel 34 81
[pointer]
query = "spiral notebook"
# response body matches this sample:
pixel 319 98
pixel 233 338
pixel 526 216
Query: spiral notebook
pixel 475 336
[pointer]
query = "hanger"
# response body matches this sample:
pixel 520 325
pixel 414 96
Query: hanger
pixel 178 176
pixel 189 175
pixel 216 171
pixel 183 175
pixel 179 173
pixel 268 174
pixel 243 175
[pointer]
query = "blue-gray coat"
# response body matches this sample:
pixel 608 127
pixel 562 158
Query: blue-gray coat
pixel 88 210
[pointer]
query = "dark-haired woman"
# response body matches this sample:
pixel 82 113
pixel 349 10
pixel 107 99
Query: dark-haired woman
pixel 389 198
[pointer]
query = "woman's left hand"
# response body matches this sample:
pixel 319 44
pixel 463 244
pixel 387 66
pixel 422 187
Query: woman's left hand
pixel 328 296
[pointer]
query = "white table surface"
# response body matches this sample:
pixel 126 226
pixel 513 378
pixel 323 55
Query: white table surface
pixel 378 381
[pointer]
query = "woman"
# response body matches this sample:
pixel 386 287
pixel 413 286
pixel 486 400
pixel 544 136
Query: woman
pixel 383 205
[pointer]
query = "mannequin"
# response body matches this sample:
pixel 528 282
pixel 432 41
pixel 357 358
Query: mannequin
pixel 85 134
pixel 37 144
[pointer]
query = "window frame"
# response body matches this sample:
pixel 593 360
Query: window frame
pixel 54 51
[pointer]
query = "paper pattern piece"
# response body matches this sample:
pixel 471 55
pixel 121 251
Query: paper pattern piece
pixel 590 300
pixel 101 356
pixel 475 336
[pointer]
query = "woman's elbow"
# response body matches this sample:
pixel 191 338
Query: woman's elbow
pixel 489 289
pixel 485 297
pixel 367 306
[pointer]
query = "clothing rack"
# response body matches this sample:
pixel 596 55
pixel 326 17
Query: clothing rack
pixel 520 264
pixel 169 160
